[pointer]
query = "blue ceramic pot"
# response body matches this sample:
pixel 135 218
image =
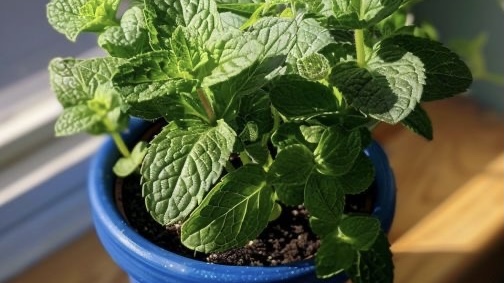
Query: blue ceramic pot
pixel 148 263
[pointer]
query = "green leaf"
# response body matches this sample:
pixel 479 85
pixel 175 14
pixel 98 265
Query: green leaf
pixel 388 89
pixel 149 67
pixel 333 257
pixel 314 67
pixel 72 17
pixel 337 151
pixel 359 231
pixel 239 8
pixel 374 265
pixel 323 227
pixel 256 109
pixel 181 165
pixel 312 134
pixel 199 17
pixel 75 119
pixel 288 134
pixel 295 97
pixel 128 39
pixel 324 197
pixel 360 177
pixel 446 75
pixel 292 166
pixel 311 38
pixel 419 122
pixel 171 99
pixel 290 195
pixel 127 165
pixel 231 21
pixel 270 40
pixel 75 81
pixel 232 214
pixel 358 14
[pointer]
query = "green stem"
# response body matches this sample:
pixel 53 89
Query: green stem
pixel 276 119
pixel 206 105
pixel 123 149
pixel 360 48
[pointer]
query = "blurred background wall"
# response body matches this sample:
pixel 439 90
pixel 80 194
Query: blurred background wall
pixel 475 29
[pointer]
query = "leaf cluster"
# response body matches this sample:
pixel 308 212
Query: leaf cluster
pixel 291 88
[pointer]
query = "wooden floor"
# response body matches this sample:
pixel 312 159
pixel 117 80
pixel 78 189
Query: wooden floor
pixel 449 224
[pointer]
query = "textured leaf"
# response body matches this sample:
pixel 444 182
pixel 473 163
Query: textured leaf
pixel 360 177
pixel 337 151
pixel 288 134
pixel 295 97
pixel 446 75
pixel 324 197
pixel 72 17
pixel 311 38
pixel 199 17
pixel 313 67
pixel 128 39
pixel 171 99
pixel 233 212
pixel 359 231
pixel 75 81
pixel 333 257
pixel 374 265
pixel 419 122
pixel 388 90
pixel 273 38
pixel 323 227
pixel 256 108
pixel 181 166
pixel 290 195
pixel 358 14
pixel 74 120
pixel 292 166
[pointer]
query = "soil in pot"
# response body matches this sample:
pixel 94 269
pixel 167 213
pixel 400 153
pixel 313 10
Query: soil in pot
pixel 286 239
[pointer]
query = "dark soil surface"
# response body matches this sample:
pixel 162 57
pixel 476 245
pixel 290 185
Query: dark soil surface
pixel 285 240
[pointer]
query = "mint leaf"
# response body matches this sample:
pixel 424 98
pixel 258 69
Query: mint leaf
pixel 256 109
pixel 239 8
pixel 419 122
pixel 75 119
pixel 311 38
pixel 72 17
pixel 171 99
pixel 446 75
pixel 128 39
pixel 360 177
pixel 199 17
pixel 262 52
pixel 324 197
pixel 359 231
pixel 337 151
pixel 75 81
pixel 294 97
pixel 292 166
pixel 232 214
pixel 333 257
pixel 127 165
pixel 313 67
pixel 287 134
pixel 358 14
pixel 290 195
pixel 181 165
pixel 231 21
pixel 374 265
pixel 149 67
pixel 388 89
pixel 323 227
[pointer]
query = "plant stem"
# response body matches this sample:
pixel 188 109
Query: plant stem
pixel 245 159
pixel 206 105
pixel 123 149
pixel 359 47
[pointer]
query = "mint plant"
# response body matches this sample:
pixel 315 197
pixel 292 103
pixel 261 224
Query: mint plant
pixel 293 88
